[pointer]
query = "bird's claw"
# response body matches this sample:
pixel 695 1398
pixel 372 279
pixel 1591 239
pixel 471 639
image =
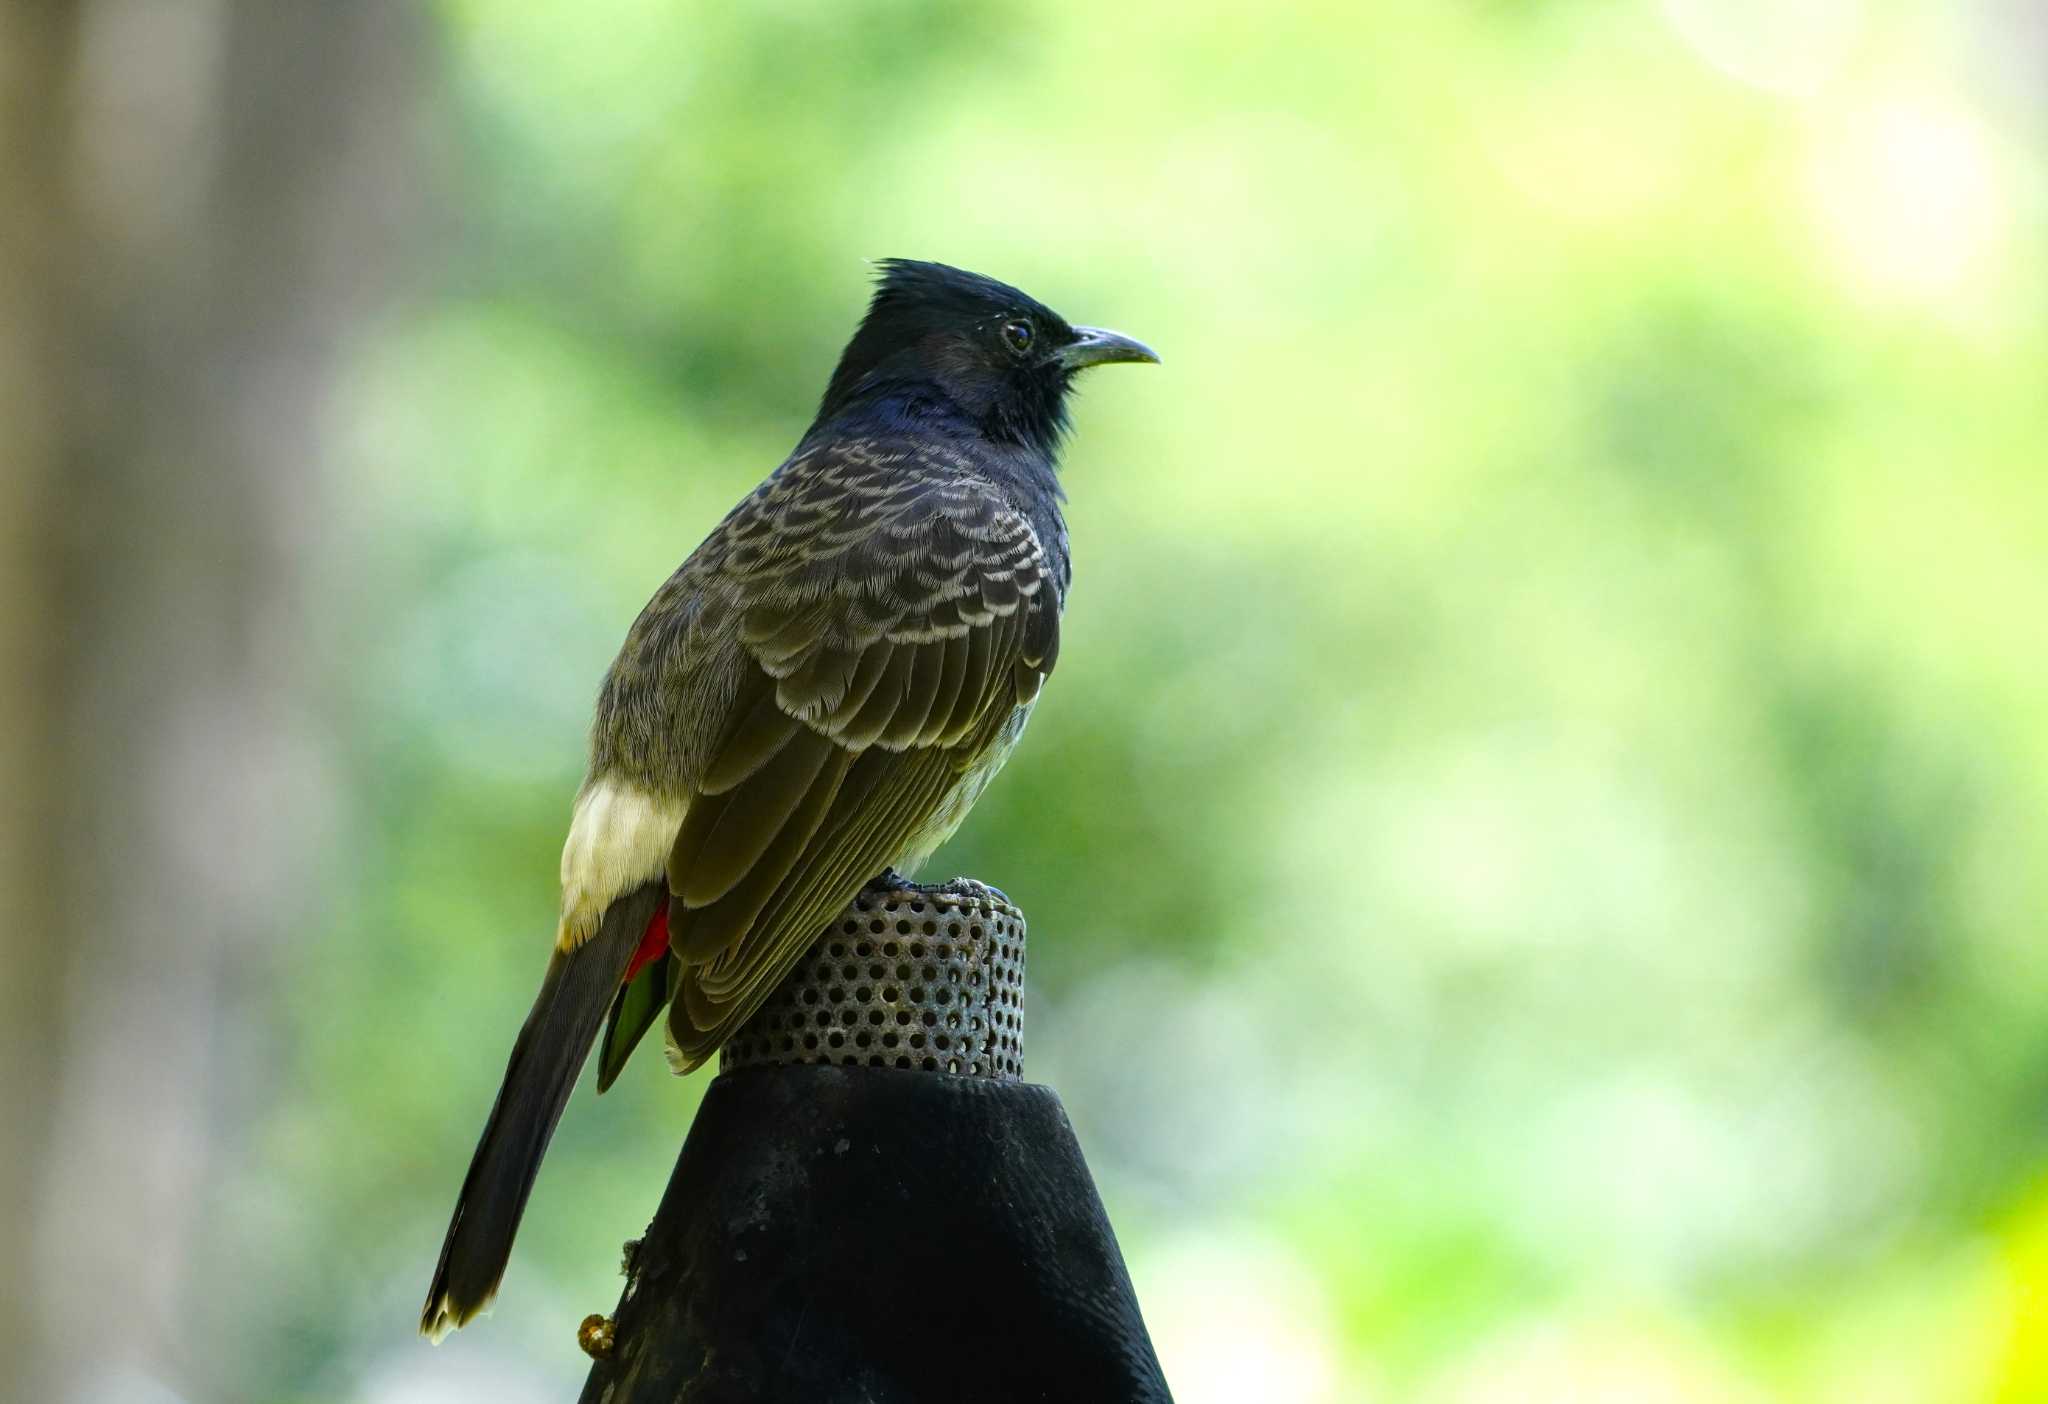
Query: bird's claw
pixel 957 889
pixel 975 890
pixel 889 880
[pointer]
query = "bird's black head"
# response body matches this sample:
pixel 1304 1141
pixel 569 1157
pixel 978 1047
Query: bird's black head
pixel 942 340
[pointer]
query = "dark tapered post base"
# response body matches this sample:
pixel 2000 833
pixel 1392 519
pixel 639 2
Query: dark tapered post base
pixel 843 1234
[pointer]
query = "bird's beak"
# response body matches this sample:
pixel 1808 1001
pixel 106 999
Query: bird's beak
pixel 1092 346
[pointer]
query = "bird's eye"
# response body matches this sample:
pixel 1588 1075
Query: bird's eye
pixel 1018 334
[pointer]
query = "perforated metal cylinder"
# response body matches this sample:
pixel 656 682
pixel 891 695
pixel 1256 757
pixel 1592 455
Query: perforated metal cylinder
pixel 919 978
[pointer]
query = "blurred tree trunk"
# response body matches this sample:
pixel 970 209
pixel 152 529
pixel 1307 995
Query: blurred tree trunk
pixel 34 57
pixel 196 197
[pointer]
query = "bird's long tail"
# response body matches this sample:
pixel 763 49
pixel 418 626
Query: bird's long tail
pixel 546 1058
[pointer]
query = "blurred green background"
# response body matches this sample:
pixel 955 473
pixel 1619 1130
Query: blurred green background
pixel 1537 846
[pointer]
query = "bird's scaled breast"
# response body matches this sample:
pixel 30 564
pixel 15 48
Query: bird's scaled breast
pixel 948 813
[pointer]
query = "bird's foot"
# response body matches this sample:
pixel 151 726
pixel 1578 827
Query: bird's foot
pixel 957 889
pixel 975 891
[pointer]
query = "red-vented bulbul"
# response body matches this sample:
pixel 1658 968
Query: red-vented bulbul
pixel 817 695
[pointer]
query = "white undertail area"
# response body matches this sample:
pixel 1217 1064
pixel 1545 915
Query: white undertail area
pixel 619 837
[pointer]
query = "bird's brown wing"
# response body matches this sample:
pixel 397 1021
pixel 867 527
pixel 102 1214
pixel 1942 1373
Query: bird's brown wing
pixel 889 624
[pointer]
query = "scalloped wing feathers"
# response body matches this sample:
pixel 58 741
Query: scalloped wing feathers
pixel 828 681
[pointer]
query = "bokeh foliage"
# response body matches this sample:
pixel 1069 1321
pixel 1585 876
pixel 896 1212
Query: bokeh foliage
pixel 1536 845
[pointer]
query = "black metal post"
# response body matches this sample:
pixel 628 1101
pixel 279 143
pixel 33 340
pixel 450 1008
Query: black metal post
pixel 861 1220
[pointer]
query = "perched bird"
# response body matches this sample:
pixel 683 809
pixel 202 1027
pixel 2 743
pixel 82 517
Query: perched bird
pixel 817 696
